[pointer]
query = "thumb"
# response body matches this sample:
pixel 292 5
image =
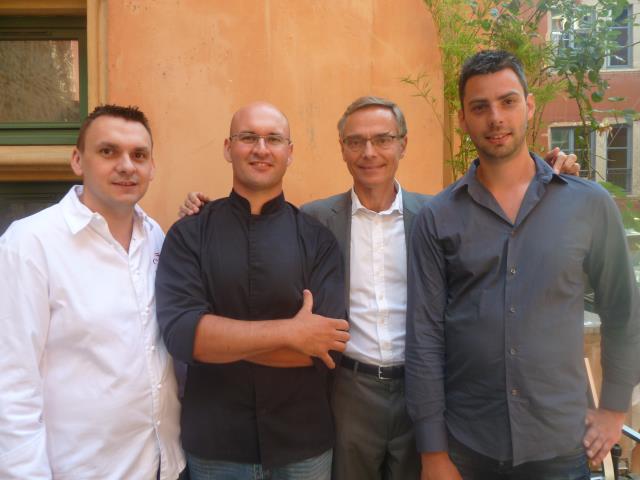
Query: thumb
pixel 307 300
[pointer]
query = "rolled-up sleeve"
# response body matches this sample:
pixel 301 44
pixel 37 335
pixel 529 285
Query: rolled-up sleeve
pixel 616 297
pixel 24 322
pixel 181 300
pixel 425 347
pixel 326 282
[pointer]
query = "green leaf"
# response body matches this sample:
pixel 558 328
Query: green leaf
pixel 597 96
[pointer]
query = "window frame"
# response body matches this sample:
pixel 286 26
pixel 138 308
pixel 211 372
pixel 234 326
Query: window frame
pixel 47 28
pixel 629 44
pixel 628 148
pixel 571 147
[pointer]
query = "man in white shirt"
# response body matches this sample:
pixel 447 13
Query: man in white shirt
pixel 87 389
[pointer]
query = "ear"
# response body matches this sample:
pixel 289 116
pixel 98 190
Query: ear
pixel 227 150
pixel 152 173
pixel 76 161
pixel 290 156
pixel 403 145
pixel 461 121
pixel 531 106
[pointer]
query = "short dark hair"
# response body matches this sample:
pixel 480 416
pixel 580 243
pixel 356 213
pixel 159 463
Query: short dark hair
pixel 371 101
pixel 490 61
pixel 131 113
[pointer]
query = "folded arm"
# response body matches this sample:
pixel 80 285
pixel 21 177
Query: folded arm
pixel 192 333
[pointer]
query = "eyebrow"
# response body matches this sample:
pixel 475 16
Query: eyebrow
pixel 510 93
pixel 388 132
pixel 251 132
pixel 115 146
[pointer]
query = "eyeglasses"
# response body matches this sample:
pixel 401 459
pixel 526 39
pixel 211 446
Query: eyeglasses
pixel 356 143
pixel 272 140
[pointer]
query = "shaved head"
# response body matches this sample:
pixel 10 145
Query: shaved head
pixel 258 109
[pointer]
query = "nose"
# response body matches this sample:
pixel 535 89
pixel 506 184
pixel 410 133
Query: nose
pixel 495 115
pixel 369 150
pixel 260 147
pixel 126 165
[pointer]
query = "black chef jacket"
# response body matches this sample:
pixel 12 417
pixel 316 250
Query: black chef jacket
pixel 228 262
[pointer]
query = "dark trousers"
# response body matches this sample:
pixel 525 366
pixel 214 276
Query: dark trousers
pixel 374 435
pixel 474 466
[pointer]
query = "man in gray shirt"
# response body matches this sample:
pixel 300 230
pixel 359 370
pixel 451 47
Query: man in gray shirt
pixel 495 377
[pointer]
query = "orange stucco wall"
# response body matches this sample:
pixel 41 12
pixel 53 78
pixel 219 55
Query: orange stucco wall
pixel 189 64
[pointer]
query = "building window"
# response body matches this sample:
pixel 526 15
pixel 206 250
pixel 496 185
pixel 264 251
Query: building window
pixel 562 35
pixel 569 140
pixel 43 79
pixel 559 36
pixel 624 26
pixel 619 156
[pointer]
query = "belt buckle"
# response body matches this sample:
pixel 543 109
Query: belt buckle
pixel 380 374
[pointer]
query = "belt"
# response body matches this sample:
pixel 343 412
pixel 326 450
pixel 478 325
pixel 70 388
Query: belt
pixel 383 373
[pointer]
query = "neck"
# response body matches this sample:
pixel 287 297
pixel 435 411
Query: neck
pixel 499 175
pixel 257 199
pixel 119 221
pixel 376 199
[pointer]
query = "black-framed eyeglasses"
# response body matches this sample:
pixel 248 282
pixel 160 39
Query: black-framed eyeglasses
pixel 271 140
pixel 357 143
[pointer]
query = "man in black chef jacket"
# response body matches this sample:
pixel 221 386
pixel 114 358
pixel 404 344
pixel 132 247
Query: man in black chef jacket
pixel 250 294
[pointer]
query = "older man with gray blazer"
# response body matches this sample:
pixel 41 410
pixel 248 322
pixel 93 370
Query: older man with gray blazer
pixel 372 221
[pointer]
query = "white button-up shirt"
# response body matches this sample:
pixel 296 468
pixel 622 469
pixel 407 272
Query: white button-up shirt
pixel 378 284
pixel 87 389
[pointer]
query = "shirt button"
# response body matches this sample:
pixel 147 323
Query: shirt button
pixel 513 270
pixel 513 351
pixel 515 392
pixel 512 309
pixel 513 232
pixel 159 386
pixel 152 348
pixel 158 423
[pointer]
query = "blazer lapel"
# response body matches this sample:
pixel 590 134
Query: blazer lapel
pixel 341 228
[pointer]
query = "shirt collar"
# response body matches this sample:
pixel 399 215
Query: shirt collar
pixel 396 205
pixel 272 206
pixel 544 173
pixel 78 216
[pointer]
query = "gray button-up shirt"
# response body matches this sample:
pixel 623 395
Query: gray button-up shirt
pixel 494 349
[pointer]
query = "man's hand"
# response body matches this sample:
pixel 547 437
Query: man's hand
pixel 438 466
pixel 315 335
pixel 562 163
pixel 192 204
pixel 604 428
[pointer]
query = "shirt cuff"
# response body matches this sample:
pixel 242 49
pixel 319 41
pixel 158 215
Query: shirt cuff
pixel 615 397
pixel 180 340
pixel 431 436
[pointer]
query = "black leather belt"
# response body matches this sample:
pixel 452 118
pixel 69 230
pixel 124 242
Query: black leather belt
pixel 383 373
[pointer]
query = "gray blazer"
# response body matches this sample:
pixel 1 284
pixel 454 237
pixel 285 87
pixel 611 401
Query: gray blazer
pixel 335 213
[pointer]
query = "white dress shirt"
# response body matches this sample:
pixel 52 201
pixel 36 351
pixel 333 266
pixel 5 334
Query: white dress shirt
pixel 378 284
pixel 87 389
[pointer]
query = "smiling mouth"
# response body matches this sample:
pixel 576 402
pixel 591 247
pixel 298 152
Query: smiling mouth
pixel 261 164
pixel 125 184
pixel 498 138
